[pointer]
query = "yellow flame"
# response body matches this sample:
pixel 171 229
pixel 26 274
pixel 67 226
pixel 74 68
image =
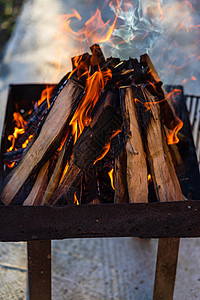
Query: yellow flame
pixel 64 172
pixel 75 199
pixel 27 141
pixel 110 173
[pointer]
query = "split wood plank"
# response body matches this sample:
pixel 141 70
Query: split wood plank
pixel 37 192
pixel 166 184
pixel 120 184
pixel 55 177
pixel 136 159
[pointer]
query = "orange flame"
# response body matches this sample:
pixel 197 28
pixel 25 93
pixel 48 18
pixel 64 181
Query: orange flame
pixel 110 174
pixel 18 119
pixel 94 85
pixel 149 178
pixel 10 165
pixel 27 141
pixel 46 94
pixel 106 148
pixel 95 30
pixel 193 78
pixel 14 136
pixel 75 199
pixel 173 138
pixel 64 172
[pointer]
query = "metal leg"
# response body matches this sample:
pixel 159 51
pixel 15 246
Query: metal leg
pixel 166 268
pixel 39 270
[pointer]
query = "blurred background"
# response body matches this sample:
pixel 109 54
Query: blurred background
pixel 9 10
pixel 37 41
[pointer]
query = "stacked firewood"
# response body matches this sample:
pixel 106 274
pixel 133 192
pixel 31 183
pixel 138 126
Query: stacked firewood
pixel 102 135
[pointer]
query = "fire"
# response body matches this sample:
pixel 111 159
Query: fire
pixel 64 172
pixel 94 85
pixel 46 94
pixel 10 165
pixel 173 138
pixel 24 145
pixel 19 121
pixel 149 178
pixel 14 136
pixel 18 130
pixel 106 148
pixel 75 199
pixel 110 174
pixel 94 30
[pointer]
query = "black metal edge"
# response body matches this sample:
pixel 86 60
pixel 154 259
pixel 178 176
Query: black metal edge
pixel 145 220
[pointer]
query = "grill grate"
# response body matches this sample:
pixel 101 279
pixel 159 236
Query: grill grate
pixel 193 106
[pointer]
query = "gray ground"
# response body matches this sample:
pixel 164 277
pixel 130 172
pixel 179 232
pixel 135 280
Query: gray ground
pixel 118 268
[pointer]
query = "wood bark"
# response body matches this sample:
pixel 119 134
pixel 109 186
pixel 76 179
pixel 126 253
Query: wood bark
pixel 47 141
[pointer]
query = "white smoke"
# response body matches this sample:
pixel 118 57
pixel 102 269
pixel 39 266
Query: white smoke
pixel 167 30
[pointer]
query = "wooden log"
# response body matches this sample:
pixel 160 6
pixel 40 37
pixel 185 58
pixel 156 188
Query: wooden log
pixel 37 192
pixel 136 162
pixel 121 191
pixel 47 141
pixel 166 184
pixel 56 175
pixel 169 116
pixel 88 147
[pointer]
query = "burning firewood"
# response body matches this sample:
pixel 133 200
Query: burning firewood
pixel 89 146
pixel 136 162
pixel 39 187
pixel 105 124
pixel 47 141
pixel 120 183
pixel 163 173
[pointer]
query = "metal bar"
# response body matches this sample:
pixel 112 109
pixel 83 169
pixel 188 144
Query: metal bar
pixel 39 270
pixel 165 276
pixel 146 220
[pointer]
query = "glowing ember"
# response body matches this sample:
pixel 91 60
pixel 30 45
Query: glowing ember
pixel 110 173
